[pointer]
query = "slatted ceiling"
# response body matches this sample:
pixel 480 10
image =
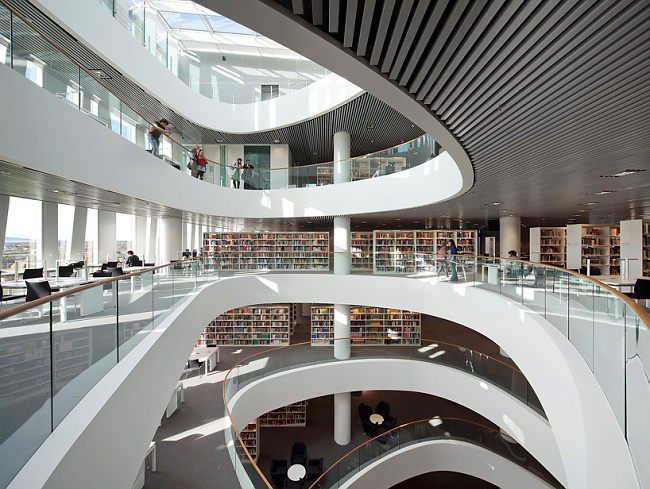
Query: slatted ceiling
pixel 366 23
pixel 411 33
pixel 397 34
pixel 382 31
pixel 350 19
pixel 298 7
pixel 426 39
pixel 334 8
pixel 317 12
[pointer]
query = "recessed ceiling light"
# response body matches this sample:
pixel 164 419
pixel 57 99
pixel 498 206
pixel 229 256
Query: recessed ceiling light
pixel 100 74
pixel 276 141
pixel 4 172
pixel 398 219
pixel 495 203
pixel 589 203
pixel 370 126
pixel 55 191
pixel 605 192
pixel 582 210
pixel 623 173
pixel 315 153
pixel 363 222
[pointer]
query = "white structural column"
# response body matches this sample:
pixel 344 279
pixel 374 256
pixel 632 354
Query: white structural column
pixel 341 157
pixel 342 418
pixel 139 243
pixel 78 241
pixel 48 251
pixel 150 240
pixel 509 235
pixel 342 256
pixel 171 239
pixel 106 230
pixel 342 330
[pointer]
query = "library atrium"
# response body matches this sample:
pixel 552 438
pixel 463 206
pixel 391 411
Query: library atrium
pixel 324 243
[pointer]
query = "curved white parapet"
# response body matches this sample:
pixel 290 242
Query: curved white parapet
pixel 392 374
pixel 271 21
pixel 73 146
pixel 447 456
pixel 591 444
pixel 112 42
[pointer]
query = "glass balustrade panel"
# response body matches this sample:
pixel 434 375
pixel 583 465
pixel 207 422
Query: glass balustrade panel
pixel 581 316
pixel 25 387
pixel 136 318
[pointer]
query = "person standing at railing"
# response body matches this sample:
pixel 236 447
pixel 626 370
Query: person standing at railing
pixel 157 130
pixel 235 173
pixel 452 253
pixel 201 165
pixel 248 174
pixel 442 260
pixel 194 158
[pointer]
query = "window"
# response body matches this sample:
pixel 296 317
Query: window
pixel 195 77
pixel 34 72
pixel 72 95
pixel 22 234
pixel 124 233
pixel 270 91
pixel 91 246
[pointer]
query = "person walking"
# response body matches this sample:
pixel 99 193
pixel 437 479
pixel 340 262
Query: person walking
pixel 157 129
pixel 248 174
pixel 194 162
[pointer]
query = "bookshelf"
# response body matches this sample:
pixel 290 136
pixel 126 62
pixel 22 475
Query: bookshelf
pixel 324 175
pixel 361 247
pixel 250 435
pixel 293 415
pixel 548 245
pixel 377 325
pixel 261 325
pixel 267 251
pixel 402 251
pixel 646 248
pixel 600 244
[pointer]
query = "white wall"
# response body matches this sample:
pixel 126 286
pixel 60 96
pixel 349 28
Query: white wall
pixel 93 26
pixel 63 148
pixel 106 230
pixel 591 444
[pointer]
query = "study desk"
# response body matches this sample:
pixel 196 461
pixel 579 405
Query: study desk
pixel 207 355
pixel 618 282
pixel 376 418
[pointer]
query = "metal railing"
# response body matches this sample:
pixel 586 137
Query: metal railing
pixel 53 350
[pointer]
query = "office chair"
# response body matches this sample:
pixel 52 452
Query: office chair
pixel 115 271
pixel 10 297
pixel 192 366
pixel 641 289
pixel 108 264
pixel 364 411
pixel 37 290
pixel 369 428
pixel 32 273
pixel 66 271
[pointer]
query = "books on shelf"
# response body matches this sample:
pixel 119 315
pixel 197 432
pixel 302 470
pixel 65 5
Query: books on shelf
pixel 548 245
pixel 371 325
pixel 250 436
pixel 288 416
pixel 267 251
pixel 414 251
pixel 261 325
pixel 361 246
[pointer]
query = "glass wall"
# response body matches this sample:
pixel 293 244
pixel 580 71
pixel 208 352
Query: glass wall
pixel 65 221
pixel 124 234
pixel 260 158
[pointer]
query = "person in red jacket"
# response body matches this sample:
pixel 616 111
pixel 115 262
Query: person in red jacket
pixel 201 164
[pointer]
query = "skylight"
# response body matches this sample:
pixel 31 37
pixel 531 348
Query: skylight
pixel 176 20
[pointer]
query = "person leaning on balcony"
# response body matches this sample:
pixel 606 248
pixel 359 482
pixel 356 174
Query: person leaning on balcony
pixel 235 170
pixel 157 130
pixel 248 174
pixel 202 163
pixel 194 161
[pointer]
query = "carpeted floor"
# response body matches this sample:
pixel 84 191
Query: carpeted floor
pixel 191 445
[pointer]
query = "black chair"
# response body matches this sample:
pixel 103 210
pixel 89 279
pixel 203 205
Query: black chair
pixel 385 435
pixel 10 297
pixel 288 483
pixel 37 290
pixel 641 289
pixel 115 271
pixel 314 469
pixel 383 409
pixel 389 422
pixel 66 271
pixel 364 411
pixel 32 273
pixel 78 264
pixel 149 264
pixel 108 264
pixel 299 453
pixel 101 273
pixel 369 428
pixel 279 472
